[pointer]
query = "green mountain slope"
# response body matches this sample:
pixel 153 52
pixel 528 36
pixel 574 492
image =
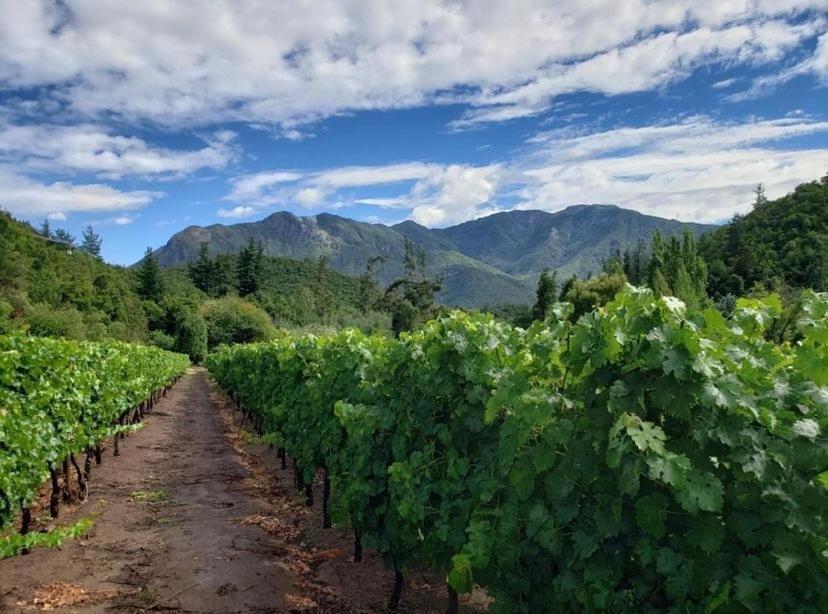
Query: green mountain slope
pixel 785 240
pixel 491 260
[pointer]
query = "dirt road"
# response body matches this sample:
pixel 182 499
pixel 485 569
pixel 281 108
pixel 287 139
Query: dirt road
pixel 166 531
pixel 196 515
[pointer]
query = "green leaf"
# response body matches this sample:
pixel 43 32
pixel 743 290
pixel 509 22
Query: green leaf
pixel 460 575
pixel 651 514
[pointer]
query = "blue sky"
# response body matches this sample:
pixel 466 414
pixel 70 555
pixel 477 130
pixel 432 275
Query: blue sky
pixel 143 118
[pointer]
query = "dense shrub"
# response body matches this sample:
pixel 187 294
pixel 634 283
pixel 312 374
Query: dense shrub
pixel 234 320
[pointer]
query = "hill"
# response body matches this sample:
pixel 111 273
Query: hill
pixel 784 241
pixel 490 260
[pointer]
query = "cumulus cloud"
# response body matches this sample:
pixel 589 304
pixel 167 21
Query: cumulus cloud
pixel 29 198
pixel 694 170
pixel 203 62
pixel 91 149
pixel 435 195
pixel 239 211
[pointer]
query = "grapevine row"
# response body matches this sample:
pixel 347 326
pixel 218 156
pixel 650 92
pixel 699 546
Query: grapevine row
pixel 59 398
pixel 644 458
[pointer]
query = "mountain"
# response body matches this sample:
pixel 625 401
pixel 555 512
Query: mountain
pixel 495 259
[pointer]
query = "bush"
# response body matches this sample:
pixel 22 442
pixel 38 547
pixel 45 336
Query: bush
pixel 46 321
pixel 191 337
pixel 232 320
pixel 162 340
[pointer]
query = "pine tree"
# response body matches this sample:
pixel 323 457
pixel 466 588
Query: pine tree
pixel 760 198
pixel 91 242
pixel 546 293
pixel 656 259
pixel 46 229
pixel 249 268
pixel 63 236
pixel 150 278
pixel 202 271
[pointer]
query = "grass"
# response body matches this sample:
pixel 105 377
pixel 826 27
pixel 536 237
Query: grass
pixel 151 496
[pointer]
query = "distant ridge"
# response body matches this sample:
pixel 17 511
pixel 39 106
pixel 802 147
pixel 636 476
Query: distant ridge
pixel 494 259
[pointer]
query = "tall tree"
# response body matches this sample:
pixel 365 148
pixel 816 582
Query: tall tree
pixel 323 292
pixel 202 271
pixel 63 236
pixel 249 268
pixel 760 197
pixel 369 293
pixel 546 293
pixel 410 299
pixel 91 242
pixel 46 229
pixel 150 278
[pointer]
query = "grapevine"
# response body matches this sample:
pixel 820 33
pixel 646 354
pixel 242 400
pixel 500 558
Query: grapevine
pixel 644 458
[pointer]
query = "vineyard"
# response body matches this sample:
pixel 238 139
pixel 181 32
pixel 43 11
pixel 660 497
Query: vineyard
pixel 60 398
pixel 644 458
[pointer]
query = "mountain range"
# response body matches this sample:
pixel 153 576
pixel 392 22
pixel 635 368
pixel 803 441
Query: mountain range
pixel 490 260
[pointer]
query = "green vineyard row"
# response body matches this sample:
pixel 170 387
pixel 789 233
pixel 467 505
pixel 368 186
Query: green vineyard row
pixel 59 398
pixel 641 459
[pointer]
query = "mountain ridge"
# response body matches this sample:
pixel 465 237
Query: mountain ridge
pixel 493 259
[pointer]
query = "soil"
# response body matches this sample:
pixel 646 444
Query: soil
pixel 196 515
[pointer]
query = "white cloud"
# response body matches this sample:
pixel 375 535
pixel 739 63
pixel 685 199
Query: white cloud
pixel 695 170
pixel 239 211
pixel 29 198
pixel 816 65
pixel 436 194
pixel 57 216
pixel 308 197
pixel 454 194
pixel 279 63
pixel 124 219
pixel 92 149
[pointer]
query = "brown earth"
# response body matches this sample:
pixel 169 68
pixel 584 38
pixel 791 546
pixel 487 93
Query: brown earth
pixel 196 515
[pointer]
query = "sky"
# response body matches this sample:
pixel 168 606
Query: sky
pixel 143 118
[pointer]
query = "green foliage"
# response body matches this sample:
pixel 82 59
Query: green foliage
pixel 677 269
pixel 784 239
pixel 593 292
pixel 233 320
pixel 249 268
pixel 91 242
pixel 150 279
pixel 38 276
pixel 547 294
pixel 410 299
pixel 648 457
pixel 46 321
pixel 191 336
pixel 14 544
pixel 57 397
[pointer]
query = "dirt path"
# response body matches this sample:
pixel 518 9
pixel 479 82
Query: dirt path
pixel 166 533
pixel 197 515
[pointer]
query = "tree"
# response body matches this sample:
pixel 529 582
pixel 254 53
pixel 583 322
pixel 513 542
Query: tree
pixel 46 229
pixel 249 268
pixel 202 271
pixel 323 293
pixel 760 198
pixel 150 278
pixel 63 236
pixel 547 293
pixel 369 294
pixel 91 242
pixel 410 299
